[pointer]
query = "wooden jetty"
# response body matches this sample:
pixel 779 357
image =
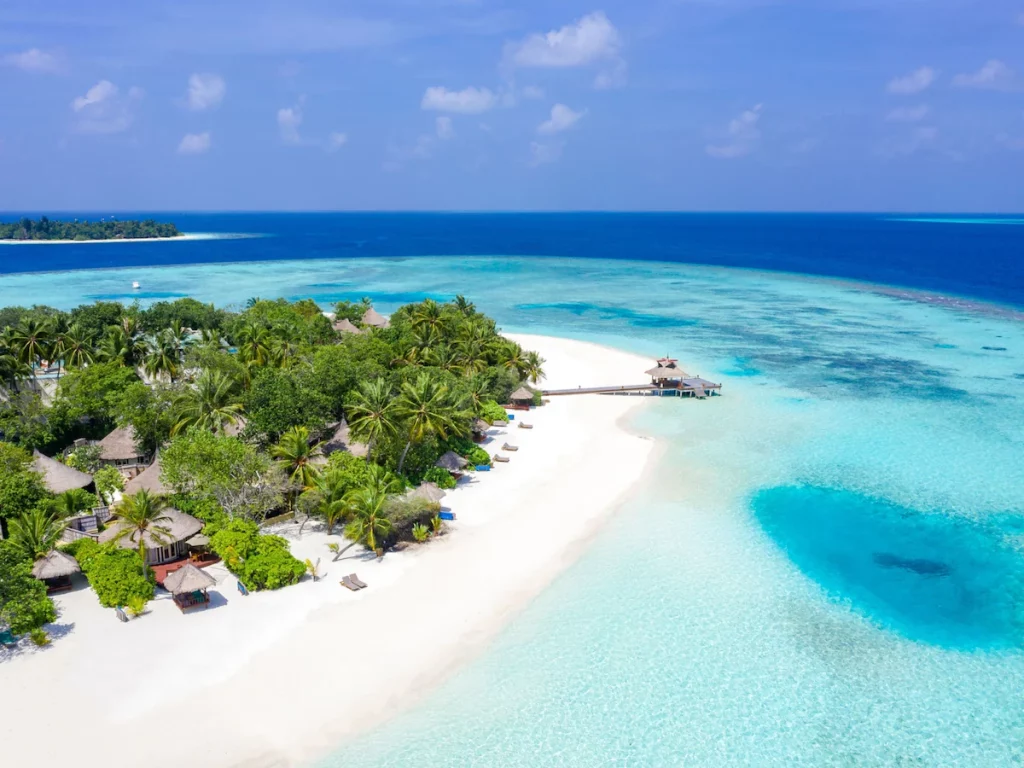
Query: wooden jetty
pixel 667 380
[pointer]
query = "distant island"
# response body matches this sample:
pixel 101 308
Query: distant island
pixel 80 231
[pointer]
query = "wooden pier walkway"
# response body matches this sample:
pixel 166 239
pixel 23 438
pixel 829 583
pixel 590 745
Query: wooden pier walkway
pixel 699 388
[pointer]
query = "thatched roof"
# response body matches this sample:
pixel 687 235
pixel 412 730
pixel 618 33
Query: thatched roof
pixel 451 461
pixel 188 578
pixel 199 540
pixel 148 479
pixel 374 318
pixel 59 477
pixel 120 445
pixel 345 326
pixel 522 394
pixel 179 526
pixel 428 491
pixel 667 372
pixel 55 565
pixel 340 441
pixel 481 426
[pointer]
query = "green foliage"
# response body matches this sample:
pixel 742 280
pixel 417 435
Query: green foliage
pixel 351 310
pixel 21 489
pixel 436 523
pixel 25 420
pixel 235 542
pixel 47 229
pixel 36 533
pixel 108 480
pixel 202 508
pixel 186 311
pixel 277 401
pixel 468 450
pixel 538 398
pixel 136 605
pixel 88 398
pixel 149 412
pixel 260 561
pixel 39 637
pixel 96 318
pixel 201 463
pixel 24 605
pixel 420 532
pixel 441 477
pixel 115 574
pixel 492 412
pixel 85 458
pixel 477 456
pixel 71 503
pixel 336 374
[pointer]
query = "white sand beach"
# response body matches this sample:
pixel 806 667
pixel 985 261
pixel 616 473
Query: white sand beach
pixel 281 678
pixel 175 239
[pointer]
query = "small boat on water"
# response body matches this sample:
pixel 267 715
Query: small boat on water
pixel 135 285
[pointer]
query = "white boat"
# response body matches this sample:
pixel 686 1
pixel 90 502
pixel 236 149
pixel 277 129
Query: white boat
pixel 135 285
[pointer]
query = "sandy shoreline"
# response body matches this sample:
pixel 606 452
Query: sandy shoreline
pixel 175 239
pixel 280 679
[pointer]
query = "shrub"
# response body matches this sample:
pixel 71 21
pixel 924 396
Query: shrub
pixel 436 523
pixel 85 458
pixel 477 456
pixel 235 542
pixel 538 398
pixel 492 412
pixel 39 637
pixel 115 575
pixel 420 532
pixel 273 566
pixel 136 606
pixel 441 477
pixel 108 480
pixel 83 550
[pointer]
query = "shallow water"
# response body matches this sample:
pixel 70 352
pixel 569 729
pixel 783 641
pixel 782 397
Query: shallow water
pixel 827 570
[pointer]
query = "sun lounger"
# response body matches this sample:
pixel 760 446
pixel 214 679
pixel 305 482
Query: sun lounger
pixel 483 467
pixel 121 615
pixel 446 515
pixel 524 425
pixel 349 584
pixel 241 589
pixel 507 447
pixel 502 459
pixel 357 581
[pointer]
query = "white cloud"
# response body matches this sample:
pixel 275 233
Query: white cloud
pixel 205 91
pixel 589 39
pixel 561 119
pixel 33 60
pixel 288 121
pixel 336 141
pixel 104 110
pixel 540 154
pixel 743 134
pixel 469 101
pixel 993 76
pixel 444 128
pixel 194 143
pixel 908 114
pixel 532 92
pixel 915 82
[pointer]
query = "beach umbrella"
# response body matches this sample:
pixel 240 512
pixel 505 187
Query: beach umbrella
pixel 188 579
pixel 522 394
pixel 55 565
pixel 451 461
pixel 428 491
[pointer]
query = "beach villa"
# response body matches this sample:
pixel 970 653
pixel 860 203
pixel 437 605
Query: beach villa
pixel 148 480
pixel 173 545
pixel 58 477
pixel 118 449
pixel 373 318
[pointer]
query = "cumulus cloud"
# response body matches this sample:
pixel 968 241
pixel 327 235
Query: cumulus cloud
pixel 562 118
pixel 336 141
pixel 33 60
pixel 104 110
pixel 205 91
pixel 743 134
pixel 194 143
pixel 541 154
pixel 469 101
pixel 915 82
pixel 908 114
pixel 444 128
pixel 288 121
pixel 591 38
pixel 994 76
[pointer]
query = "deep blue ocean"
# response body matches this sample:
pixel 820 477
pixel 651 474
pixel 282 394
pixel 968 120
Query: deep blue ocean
pixel 826 567
pixel 983 260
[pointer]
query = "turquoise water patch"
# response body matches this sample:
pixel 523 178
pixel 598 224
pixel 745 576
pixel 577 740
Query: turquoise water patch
pixel 606 312
pixel 929 576
pixel 742 368
pixel 942 220
pixel 130 296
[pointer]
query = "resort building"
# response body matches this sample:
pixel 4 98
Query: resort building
pixel 522 396
pixel 373 318
pixel 346 326
pixel 56 569
pixel 119 449
pixel 147 480
pixel 452 462
pixel 172 545
pixel 58 477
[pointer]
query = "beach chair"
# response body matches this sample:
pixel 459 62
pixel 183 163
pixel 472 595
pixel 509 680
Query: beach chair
pixel 501 459
pixel 121 615
pixel 349 584
pixel 483 467
pixel 508 447
pixel 241 589
pixel 511 416
pixel 357 581
pixel 446 515
pixel 524 425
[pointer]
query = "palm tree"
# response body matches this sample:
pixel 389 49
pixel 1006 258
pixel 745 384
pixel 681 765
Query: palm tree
pixel 179 338
pixel 72 502
pixel 465 307
pixel 444 357
pixel 513 358
pixel 163 358
pixel 534 367
pixel 211 404
pixel 254 341
pixel 426 409
pixel 36 533
pixel 12 369
pixel 252 301
pixel 76 347
pixel 370 524
pixel 295 456
pixel 371 415
pixel 427 314
pixel 140 514
pixel 130 348
pixel 31 340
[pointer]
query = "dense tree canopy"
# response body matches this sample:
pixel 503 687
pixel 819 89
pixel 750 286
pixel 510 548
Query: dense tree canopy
pixel 112 229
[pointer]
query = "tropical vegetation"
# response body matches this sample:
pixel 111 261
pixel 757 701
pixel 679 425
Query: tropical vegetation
pixel 104 229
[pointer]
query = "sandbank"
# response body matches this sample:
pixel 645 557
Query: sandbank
pixel 282 678
pixel 176 238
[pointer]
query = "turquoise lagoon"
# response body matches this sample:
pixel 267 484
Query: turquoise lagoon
pixel 826 568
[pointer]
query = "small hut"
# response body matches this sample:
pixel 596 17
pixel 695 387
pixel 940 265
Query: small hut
pixel 480 428
pixel 346 326
pixel 171 545
pixel 428 491
pixel 452 462
pixel 666 371
pixel 56 570
pixel 188 585
pixel 119 449
pixel 149 480
pixel 373 318
pixel 522 396
pixel 58 477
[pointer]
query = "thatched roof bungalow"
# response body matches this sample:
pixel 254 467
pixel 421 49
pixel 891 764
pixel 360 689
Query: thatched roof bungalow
pixel 119 449
pixel 148 480
pixel 58 477
pixel 522 395
pixel 667 370
pixel 56 570
pixel 345 326
pixel 429 491
pixel 188 584
pixel 452 462
pixel 170 546
pixel 373 318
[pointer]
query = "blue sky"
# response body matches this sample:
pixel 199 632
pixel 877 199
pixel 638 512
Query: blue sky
pixel 484 104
